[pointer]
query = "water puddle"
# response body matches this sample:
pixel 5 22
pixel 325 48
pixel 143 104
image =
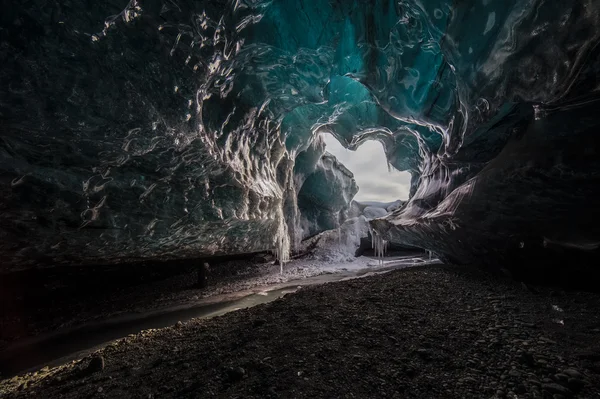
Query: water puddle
pixel 62 347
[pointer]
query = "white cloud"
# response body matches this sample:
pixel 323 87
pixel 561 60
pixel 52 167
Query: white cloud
pixel 369 165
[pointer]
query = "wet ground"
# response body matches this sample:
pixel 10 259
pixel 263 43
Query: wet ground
pixel 224 296
pixel 424 332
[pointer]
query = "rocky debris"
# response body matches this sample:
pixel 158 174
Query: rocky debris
pixel 554 388
pixel 235 374
pixel 436 332
pixel 96 364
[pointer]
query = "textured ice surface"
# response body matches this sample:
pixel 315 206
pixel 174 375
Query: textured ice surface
pixel 187 128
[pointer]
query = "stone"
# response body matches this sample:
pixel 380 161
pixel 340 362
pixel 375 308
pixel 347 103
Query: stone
pixel 96 364
pixel 527 359
pixel 235 374
pixel 555 388
pixel 424 353
pixel 514 373
pixel 572 373
pixel 575 384
pixel 561 377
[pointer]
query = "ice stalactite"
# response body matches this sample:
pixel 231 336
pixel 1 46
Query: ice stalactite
pixel 378 244
pixel 282 244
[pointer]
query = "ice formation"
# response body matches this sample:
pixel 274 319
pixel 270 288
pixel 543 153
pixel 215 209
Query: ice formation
pixel 168 129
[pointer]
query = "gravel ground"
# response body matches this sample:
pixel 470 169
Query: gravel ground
pixel 433 332
pixel 41 302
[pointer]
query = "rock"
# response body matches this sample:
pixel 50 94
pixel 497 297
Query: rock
pixel 575 384
pixel 258 322
pixel 424 353
pixel 96 364
pixel 514 373
pixel 572 373
pixel 555 388
pixel 235 374
pixel 527 359
pixel 179 324
pixel 561 377
pixel 100 389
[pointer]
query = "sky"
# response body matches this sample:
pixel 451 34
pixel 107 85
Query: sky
pixel 369 165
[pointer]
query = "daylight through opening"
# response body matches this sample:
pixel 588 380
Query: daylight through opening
pixel 376 181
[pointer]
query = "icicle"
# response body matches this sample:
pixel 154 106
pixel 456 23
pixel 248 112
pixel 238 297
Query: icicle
pixel 282 253
pixel 380 246
pixel 282 244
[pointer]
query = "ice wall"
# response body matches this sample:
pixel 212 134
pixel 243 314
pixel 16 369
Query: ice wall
pixel 185 128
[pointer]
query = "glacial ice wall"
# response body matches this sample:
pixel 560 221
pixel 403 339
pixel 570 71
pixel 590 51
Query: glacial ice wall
pixel 179 128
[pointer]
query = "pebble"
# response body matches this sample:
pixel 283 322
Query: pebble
pixel 561 377
pixel 514 373
pixel 424 353
pixel 575 384
pixel 236 374
pixel 555 388
pixel 96 364
pixel 572 373
pixel 527 359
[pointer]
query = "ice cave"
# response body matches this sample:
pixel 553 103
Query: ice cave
pixel 181 129
pixel 165 133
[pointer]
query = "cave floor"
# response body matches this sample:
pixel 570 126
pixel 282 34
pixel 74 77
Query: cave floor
pixel 40 302
pixel 439 331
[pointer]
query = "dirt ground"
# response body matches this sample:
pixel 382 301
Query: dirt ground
pixel 37 302
pixel 431 332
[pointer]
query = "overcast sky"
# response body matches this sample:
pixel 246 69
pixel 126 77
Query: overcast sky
pixel 370 170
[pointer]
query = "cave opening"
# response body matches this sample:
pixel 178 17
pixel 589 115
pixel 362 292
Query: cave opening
pixel 377 180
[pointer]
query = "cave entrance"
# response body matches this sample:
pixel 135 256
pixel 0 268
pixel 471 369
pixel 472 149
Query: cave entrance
pixel 376 182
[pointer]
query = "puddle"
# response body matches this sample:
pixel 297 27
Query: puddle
pixel 64 346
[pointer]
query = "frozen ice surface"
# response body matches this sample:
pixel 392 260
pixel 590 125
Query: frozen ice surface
pixel 184 129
